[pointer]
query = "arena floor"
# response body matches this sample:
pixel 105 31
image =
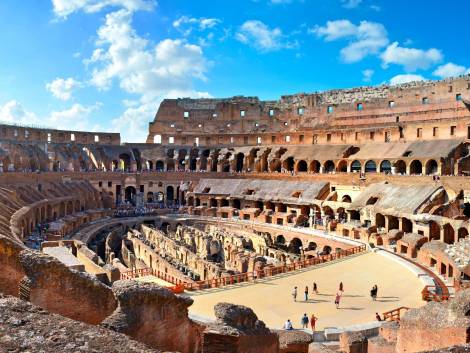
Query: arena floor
pixel 273 303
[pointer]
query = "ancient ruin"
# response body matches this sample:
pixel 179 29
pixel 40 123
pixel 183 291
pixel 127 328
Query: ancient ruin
pixel 193 241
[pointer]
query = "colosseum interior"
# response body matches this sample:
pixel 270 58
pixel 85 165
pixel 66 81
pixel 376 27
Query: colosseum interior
pixel 207 227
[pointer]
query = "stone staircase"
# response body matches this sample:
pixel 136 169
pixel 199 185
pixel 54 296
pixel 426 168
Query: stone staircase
pixel 25 289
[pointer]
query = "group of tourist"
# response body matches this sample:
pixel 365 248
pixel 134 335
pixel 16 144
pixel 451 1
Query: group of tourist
pixel 304 321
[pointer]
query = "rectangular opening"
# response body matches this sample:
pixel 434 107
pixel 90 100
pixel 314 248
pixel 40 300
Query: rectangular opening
pixel 458 97
pixel 425 100
pixel 97 138
pixel 452 130
pixel 315 139
pixel 245 140
pixel 273 139
pixel 419 132
pixel 300 111
pixel 391 104
pixel 186 115
pixel 356 136
pixel 328 137
pixel 171 140
pixel 242 113
pixel 271 112
pixel 301 138
pixel 330 109
pixel 435 131
pixel 196 141
pixel 371 135
pixel 49 137
pixel 287 138
pixel 359 106
pixel 258 140
pixel 72 137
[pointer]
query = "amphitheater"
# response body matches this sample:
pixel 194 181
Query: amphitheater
pixel 195 240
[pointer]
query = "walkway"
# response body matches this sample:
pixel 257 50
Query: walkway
pixel 272 301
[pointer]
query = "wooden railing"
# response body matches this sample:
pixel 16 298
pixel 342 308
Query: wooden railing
pixel 395 314
pixel 242 277
pixel 272 271
pixel 429 293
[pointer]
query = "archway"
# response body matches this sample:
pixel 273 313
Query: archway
pixel 379 220
pixel 125 161
pixel 280 240
pixel 342 166
pixel 236 204
pixel 239 162
pixel 400 167
pixel 312 246
pixel 385 167
pixel 170 165
pixel 431 167
pixel 326 250
pixel 150 197
pixel 346 198
pixel 434 231
pixel 170 194
pixel 314 167
pixel 449 234
pixel 288 164
pixel 329 167
pixel 295 246
pixel 356 166
pixel 416 167
pixel 130 192
pixel 159 166
pixel 370 167
pixel 302 166
pixel 406 225
pixel 462 233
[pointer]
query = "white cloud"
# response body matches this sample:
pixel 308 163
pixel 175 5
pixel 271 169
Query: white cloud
pixel 260 36
pixel 64 8
pixel 76 117
pixel 367 75
pixel 63 88
pixel 351 4
pixel 278 2
pixel 14 112
pixel 451 70
pixel 123 55
pixel 202 23
pixel 405 78
pixel 364 39
pixel 411 59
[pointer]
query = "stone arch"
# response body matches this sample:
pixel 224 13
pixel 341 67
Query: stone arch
pixel 237 204
pixel 240 161
pixel 346 198
pixel 149 165
pixel 314 166
pixel 385 167
pixel 329 166
pixel 125 161
pixel 312 246
pixel 213 202
pixel 170 193
pixel 356 166
pixel 275 165
pixel 327 250
pixel 342 166
pixel 328 211
pixel 462 233
pixel 170 165
pixel 150 197
pixel 159 166
pixel 449 234
pixel 129 194
pixel 302 166
pixel 431 167
pixel 406 225
pixel 295 246
pixel 280 240
pixel 416 167
pixel 370 167
pixel 400 167
pixel 288 164
pixel 380 220
pixel 434 231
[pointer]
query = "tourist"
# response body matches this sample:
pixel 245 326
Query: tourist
pixel 341 289
pixel 313 321
pixel 337 300
pixel 377 316
pixel 376 291
pixel 288 325
pixel 306 293
pixel 315 288
pixel 373 293
pixel 304 321
pixel 294 294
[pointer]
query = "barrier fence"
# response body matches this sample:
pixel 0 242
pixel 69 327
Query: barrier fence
pixel 430 293
pixel 395 314
pixel 180 285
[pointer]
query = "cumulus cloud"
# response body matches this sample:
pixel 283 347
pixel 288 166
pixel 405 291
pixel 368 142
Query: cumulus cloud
pixel 405 78
pixel 451 70
pixel 77 117
pixel 364 39
pixel 411 59
pixel 258 35
pixel 63 88
pixel 202 23
pixel 140 68
pixel 367 75
pixel 64 8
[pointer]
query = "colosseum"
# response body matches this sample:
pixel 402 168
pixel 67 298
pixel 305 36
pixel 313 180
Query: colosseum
pixel 239 214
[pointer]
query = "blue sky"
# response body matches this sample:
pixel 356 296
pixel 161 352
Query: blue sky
pixel 106 64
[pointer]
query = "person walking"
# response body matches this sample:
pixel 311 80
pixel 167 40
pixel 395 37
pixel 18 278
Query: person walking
pixel 288 325
pixel 315 289
pixel 377 316
pixel 337 300
pixel 313 321
pixel 373 293
pixel 294 294
pixel 341 289
pixel 304 321
pixel 376 291
pixel 306 293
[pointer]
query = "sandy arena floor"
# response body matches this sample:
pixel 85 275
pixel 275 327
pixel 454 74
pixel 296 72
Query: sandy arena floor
pixel 273 303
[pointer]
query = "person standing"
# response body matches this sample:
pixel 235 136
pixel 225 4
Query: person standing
pixel 376 291
pixel 313 321
pixel 294 294
pixel 377 316
pixel 304 321
pixel 315 289
pixel 306 293
pixel 337 300
pixel 341 289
